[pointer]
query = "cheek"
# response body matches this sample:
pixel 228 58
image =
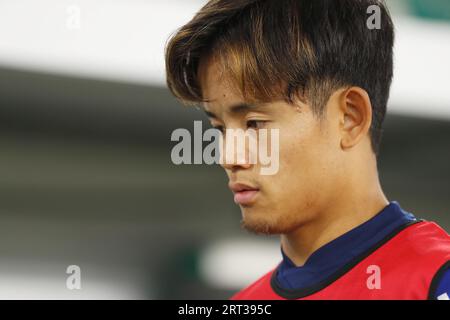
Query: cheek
pixel 304 162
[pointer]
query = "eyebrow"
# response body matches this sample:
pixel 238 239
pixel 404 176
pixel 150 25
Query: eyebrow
pixel 237 108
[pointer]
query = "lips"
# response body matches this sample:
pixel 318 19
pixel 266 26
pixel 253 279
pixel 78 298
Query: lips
pixel 244 194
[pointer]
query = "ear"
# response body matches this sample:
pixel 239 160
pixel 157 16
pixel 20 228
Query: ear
pixel 355 116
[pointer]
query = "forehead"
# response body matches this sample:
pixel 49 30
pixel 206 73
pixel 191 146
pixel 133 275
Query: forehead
pixel 217 86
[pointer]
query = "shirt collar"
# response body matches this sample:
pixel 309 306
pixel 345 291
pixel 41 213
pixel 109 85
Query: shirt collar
pixel 335 254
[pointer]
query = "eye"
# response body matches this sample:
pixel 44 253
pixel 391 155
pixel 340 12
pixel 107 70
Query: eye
pixel 255 124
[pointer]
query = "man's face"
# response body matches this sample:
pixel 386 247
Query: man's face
pixel 308 175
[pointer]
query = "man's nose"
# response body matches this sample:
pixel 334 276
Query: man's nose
pixel 235 155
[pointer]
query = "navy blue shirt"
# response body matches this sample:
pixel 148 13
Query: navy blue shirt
pixel 334 255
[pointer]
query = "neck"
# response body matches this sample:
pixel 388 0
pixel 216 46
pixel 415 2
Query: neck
pixel 339 217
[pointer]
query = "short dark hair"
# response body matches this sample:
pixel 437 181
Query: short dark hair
pixel 285 48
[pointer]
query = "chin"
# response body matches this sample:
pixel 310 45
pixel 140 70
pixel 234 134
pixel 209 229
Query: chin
pixel 264 223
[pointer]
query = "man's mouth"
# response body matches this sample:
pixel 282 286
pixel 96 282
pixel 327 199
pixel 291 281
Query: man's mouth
pixel 244 194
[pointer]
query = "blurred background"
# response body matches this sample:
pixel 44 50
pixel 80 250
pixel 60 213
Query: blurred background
pixel 85 171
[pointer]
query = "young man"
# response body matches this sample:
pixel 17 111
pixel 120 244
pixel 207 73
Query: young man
pixel 320 73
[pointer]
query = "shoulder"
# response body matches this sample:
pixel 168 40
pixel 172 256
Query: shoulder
pixel 428 246
pixel 423 247
pixel 426 238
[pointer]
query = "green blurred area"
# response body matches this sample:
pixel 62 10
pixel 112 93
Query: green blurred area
pixel 433 9
pixel 427 9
